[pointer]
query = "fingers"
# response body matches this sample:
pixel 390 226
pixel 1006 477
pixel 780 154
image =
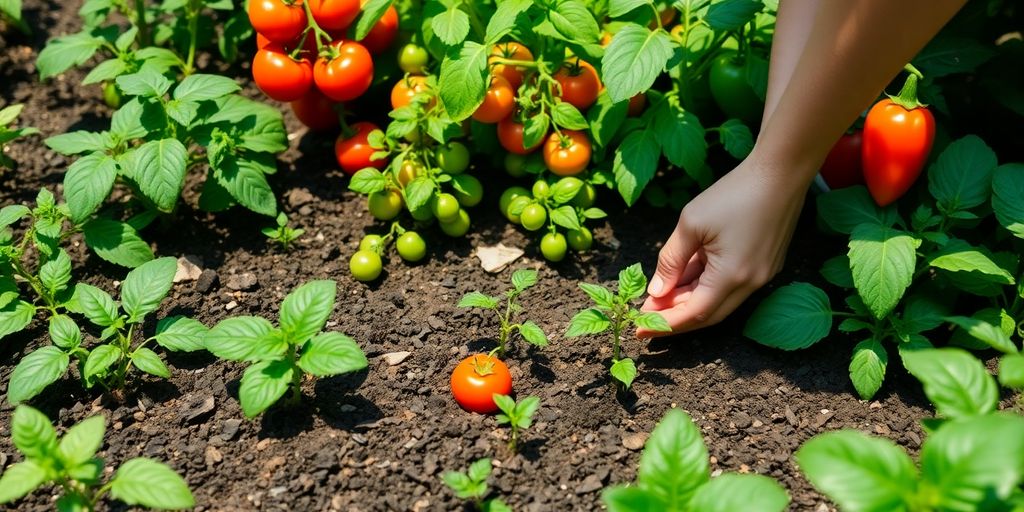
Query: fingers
pixel 673 261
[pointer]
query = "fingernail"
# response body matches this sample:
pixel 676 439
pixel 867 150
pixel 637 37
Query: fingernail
pixel 656 285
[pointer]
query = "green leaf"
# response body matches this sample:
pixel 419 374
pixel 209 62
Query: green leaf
pixel 372 11
pixel 794 317
pixel 106 71
pixel 331 353
pixel 20 479
pixel 652 322
pixel 632 499
pixel 15 316
pixel 960 257
pixel 922 312
pixel 451 26
pixel 116 242
pixel 736 138
pixel 204 87
pixel 867 367
pixel 565 217
pixel 525 410
pixel 837 271
pixel 246 182
pixel 149 362
pixel 993 336
pixel 882 260
pixel 263 384
pixel 32 433
pixel 599 294
pixel 733 493
pixel 674 464
pixel 961 178
pixel 11 214
pixel 1011 371
pixel 146 83
pixel 87 184
pixel 946 55
pixel 305 311
pixel 463 80
pixel 633 60
pixel 523 279
pixel 606 117
pixel 159 168
pixel 973 462
pixel 533 334
pixel 35 372
pixel 181 334
pixel 732 14
pixel 859 473
pixel 150 484
pixel 680 136
pixel 82 441
pixel 97 305
pixel 624 371
pixel 574 21
pixel 56 273
pixel 77 142
pixel 239 338
pixel 419 192
pixel 146 286
pixel 636 161
pixel 368 181
pixel 64 332
pixel 588 321
pixel 506 404
pixel 632 283
pixel 135 119
pixel 1007 189
pixel 63 52
pixel 618 8
pixel 477 300
pixel 954 381
pixel 567 116
pixel 504 18
pixel 99 362
pixel 845 209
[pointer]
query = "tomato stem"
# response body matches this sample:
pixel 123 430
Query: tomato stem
pixel 907 98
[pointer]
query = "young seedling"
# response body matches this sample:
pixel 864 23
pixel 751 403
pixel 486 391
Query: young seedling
pixel 472 485
pixel 282 355
pixel 7 133
pixel 71 463
pixel 109 361
pixel 675 476
pixel 283 234
pixel 615 312
pixel 518 416
pixel 531 332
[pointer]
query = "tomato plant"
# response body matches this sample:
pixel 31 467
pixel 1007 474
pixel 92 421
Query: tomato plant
pixel 522 280
pixel 354 151
pixel 476 379
pixel 406 89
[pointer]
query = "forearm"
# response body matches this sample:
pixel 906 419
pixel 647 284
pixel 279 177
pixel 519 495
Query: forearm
pixel 793 26
pixel 853 51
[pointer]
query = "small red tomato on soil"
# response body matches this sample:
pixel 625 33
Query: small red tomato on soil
pixel 510 134
pixel 277 20
pixel 280 76
pixel 580 84
pixel 476 379
pixel 567 154
pixel 510 51
pixel 334 14
pixel 316 111
pixel 383 32
pixel 347 76
pixel 406 89
pixel 354 153
pixel 499 102
pixel 842 167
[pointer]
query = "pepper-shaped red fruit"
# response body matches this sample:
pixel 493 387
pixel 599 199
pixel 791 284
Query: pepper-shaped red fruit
pixel 842 167
pixel 898 136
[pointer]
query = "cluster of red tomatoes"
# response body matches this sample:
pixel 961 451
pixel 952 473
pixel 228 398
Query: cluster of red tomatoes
pixel 305 58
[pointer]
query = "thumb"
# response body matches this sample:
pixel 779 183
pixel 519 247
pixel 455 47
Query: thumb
pixel 672 261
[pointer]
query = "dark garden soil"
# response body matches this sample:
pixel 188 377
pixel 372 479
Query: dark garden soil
pixel 380 440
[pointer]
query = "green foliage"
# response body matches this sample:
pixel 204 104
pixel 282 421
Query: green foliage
pixel 282 234
pixel 472 485
pixel 518 416
pixel 903 276
pixel 71 463
pixel 10 11
pixel 282 355
pixel 530 332
pixel 675 476
pixel 7 117
pixel 614 312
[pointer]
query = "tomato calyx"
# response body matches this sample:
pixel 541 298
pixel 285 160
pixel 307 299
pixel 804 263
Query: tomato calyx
pixel 907 97
pixel 486 367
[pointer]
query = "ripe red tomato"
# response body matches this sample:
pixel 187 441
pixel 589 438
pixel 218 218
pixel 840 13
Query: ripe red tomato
pixel 383 32
pixel 637 104
pixel 334 14
pixel 512 51
pixel 580 84
pixel 568 154
pixel 406 89
pixel 262 41
pixel 354 153
pixel 277 20
pixel 475 381
pixel 347 76
pixel 510 134
pixel 280 76
pixel 842 167
pixel 499 102
pixel 897 142
pixel 316 111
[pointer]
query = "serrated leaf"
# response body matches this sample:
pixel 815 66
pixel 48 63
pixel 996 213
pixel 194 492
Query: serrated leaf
pixel 588 321
pixel 331 353
pixel 533 334
pixel 148 361
pixel 178 333
pixel 150 484
pixel 954 381
pixel 674 463
pixel 35 372
pixel 478 300
pixel 883 261
pixel 87 184
pixel 116 242
pixel 305 311
pixel 239 338
pixel 1007 189
pixel 633 60
pixel 451 26
pixel 867 367
pixel 845 209
pixel 599 294
pixel 636 161
pixel 793 317
pixel 463 82
pixel 523 279
pixel 263 384
pixel 146 286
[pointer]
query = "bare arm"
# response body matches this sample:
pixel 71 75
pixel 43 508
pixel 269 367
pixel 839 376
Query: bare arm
pixel 793 27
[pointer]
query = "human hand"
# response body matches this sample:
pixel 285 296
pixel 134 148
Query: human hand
pixel 730 240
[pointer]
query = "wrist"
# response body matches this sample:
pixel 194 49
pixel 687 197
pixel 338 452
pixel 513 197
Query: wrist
pixel 787 171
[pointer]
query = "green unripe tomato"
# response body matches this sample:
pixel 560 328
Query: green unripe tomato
pixel 553 247
pixel 515 165
pixel 365 266
pixel 411 247
pixel 372 243
pixel 518 204
pixel 586 197
pixel 414 136
pixel 446 207
pixel 457 227
pixel 424 214
pixel 508 195
pixel 453 158
pixel 112 95
pixel 541 189
pixel 581 240
pixel 385 205
pixel 534 216
pixel 474 191
pixel 413 58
